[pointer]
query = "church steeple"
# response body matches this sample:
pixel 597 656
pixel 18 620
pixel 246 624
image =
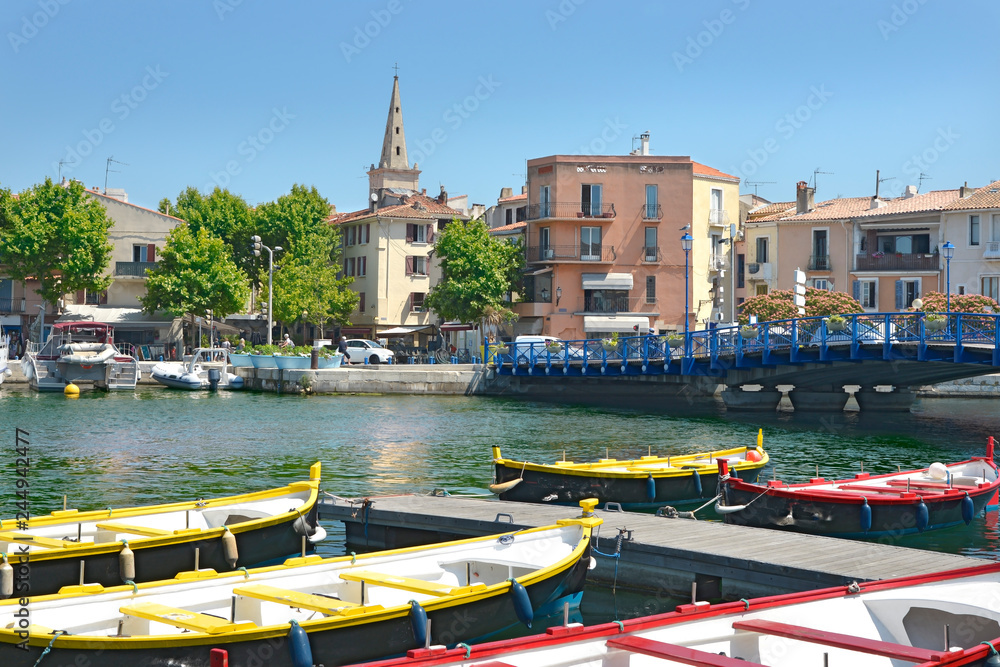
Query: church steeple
pixel 394 143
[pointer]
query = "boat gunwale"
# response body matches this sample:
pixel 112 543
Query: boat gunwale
pixel 600 469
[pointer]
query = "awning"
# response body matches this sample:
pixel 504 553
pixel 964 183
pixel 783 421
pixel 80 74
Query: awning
pixel 355 331
pixel 607 281
pixel 539 272
pixel 456 326
pixel 621 323
pixel 403 331
pixel 120 318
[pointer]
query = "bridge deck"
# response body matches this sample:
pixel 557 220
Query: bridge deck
pixel 663 553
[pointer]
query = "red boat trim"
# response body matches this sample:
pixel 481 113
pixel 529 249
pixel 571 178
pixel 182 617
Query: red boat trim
pixel 837 640
pixel 688 656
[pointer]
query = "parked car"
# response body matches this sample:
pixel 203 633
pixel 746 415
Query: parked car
pixel 360 350
pixel 535 345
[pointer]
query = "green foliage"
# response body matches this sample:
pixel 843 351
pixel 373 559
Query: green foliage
pixel 308 288
pixel 960 303
pixel 298 223
pixel 56 235
pixel 477 272
pixel 779 305
pixel 936 317
pixel 223 214
pixel 195 274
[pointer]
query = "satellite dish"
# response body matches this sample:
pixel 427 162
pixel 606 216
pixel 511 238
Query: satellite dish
pixel 374 197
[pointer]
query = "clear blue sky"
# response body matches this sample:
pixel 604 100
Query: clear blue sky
pixel 765 90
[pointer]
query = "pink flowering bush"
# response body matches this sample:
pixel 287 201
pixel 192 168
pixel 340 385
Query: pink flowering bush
pixel 779 305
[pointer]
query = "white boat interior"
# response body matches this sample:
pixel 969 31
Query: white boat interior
pixel 133 523
pixel 4 355
pixel 936 479
pixel 79 352
pixel 306 589
pixel 194 373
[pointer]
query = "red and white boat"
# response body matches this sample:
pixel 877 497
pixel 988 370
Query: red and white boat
pixel 941 619
pixel 79 352
pixel 867 505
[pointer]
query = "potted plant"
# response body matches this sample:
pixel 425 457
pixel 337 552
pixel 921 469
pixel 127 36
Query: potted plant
pixel 749 331
pixel 675 340
pixel 501 348
pixel 935 322
pixel 553 347
pixel 610 344
pixel 836 323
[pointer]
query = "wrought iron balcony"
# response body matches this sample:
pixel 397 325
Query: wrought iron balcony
pixel 651 212
pixel 11 306
pixel 133 269
pixel 571 253
pixel 651 254
pixel 878 261
pixel 718 217
pixel 819 262
pixel 992 250
pixel 613 304
pixel 570 210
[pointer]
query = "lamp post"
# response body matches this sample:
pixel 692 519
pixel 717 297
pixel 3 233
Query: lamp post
pixel 257 245
pixel 949 252
pixel 686 245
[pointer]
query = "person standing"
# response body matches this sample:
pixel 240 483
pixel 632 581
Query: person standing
pixel 342 349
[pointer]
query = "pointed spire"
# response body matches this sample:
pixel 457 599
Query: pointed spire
pixel 394 143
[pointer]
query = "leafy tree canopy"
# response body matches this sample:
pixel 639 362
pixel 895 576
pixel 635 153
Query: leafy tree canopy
pixel 298 223
pixel 779 305
pixel 477 272
pixel 223 214
pixel 57 235
pixel 308 288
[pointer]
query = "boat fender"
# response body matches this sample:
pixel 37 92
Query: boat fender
pixel 968 509
pixel 522 603
pixel 994 658
pixel 697 483
pixel 650 487
pixel 418 621
pixel 923 516
pixel 6 579
pixel 505 486
pixel 318 535
pixel 126 563
pixel 865 516
pixel 229 550
pixel 729 509
pixel 302 526
pixel 298 645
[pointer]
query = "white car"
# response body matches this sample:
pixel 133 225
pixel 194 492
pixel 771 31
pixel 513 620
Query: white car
pixel 528 346
pixel 360 350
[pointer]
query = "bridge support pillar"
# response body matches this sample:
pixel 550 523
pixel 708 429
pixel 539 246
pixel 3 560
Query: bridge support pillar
pixel 899 400
pixel 738 397
pixel 818 399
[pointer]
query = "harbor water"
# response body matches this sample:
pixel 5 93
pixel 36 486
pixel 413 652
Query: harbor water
pixel 157 445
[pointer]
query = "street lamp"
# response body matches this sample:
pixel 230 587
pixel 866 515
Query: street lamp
pixel 257 245
pixel 949 252
pixel 686 245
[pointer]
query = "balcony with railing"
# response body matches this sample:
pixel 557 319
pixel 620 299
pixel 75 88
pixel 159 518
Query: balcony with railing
pixel 133 269
pixel 651 254
pixel 992 250
pixel 819 262
pixel 570 253
pixel 718 217
pixel 887 261
pixel 613 304
pixel 717 261
pixel 651 212
pixel 570 210
pixel 11 306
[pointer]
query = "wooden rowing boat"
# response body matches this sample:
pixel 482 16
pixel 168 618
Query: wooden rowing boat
pixel 71 548
pixel 644 483
pixel 867 505
pixel 310 610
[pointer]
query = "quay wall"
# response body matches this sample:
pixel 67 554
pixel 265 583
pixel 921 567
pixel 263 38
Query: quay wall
pixel 452 379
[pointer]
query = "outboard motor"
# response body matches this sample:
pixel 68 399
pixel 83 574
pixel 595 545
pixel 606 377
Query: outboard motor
pixel 213 379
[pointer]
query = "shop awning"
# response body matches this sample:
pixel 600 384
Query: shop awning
pixel 621 323
pixel 539 272
pixel 456 326
pixel 403 331
pixel 120 318
pixel 607 281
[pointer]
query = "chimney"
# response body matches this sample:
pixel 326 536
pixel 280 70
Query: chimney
pixel 423 191
pixel 965 190
pixel 644 139
pixel 910 191
pixel 524 189
pixel 805 198
pixel 506 192
pixel 443 197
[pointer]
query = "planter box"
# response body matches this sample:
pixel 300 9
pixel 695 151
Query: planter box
pixel 296 362
pixel 749 332
pixel 331 362
pixel 836 326
pixel 553 349
pixel 609 346
pixel 935 325
pixel 237 360
pixel 263 361
pixel 675 342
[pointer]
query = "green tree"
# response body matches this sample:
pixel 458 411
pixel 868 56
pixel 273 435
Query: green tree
pixel 477 272
pixel 307 288
pixel 779 305
pixel 194 275
pixel 57 235
pixel 224 215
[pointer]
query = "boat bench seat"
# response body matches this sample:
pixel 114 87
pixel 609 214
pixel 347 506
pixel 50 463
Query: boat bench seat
pixel 682 654
pixel 891 491
pixel 144 531
pixel 307 601
pixel 957 482
pixel 36 540
pixel 841 641
pixel 182 618
pixel 408 583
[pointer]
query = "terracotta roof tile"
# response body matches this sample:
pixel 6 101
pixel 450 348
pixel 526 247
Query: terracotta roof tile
pixel 705 170
pixel 509 228
pixel 775 210
pixel 420 207
pixel 858 207
pixel 985 197
pixel 934 200
pixel 523 195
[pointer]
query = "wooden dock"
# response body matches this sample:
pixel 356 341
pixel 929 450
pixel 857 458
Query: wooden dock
pixel 658 555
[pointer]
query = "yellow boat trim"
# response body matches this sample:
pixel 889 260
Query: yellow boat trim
pixel 184 619
pixel 369 614
pixel 680 466
pixel 408 584
pixel 134 530
pixel 35 540
pixel 299 600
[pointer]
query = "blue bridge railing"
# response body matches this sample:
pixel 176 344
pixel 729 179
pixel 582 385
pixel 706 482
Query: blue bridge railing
pixel 970 338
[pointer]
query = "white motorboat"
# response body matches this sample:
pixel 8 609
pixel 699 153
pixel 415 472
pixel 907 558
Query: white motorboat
pixel 4 355
pixel 79 352
pixel 205 370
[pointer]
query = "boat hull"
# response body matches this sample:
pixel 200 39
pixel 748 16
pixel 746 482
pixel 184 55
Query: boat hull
pixel 630 492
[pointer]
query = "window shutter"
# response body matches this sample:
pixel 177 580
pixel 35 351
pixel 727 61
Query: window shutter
pixel 368 233
pixel 411 232
pixel 899 295
pixel 361 302
pixel 363 266
pixel 916 289
pixel 151 253
pixel 430 233
pixel 409 265
pixel 81 296
pixel 857 290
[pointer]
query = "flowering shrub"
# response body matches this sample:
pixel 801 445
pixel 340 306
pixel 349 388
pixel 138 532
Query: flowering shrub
pixel 779 305
pixel 936 302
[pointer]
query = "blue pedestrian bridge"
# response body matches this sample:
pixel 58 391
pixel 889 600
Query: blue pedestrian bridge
pixel 883 356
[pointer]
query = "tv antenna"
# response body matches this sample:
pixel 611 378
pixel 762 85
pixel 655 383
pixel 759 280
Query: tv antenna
pixel 920 180
pixel 108 170
pixel 815 181
pixel 879 181
pixel 61 163
pixel 756 183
